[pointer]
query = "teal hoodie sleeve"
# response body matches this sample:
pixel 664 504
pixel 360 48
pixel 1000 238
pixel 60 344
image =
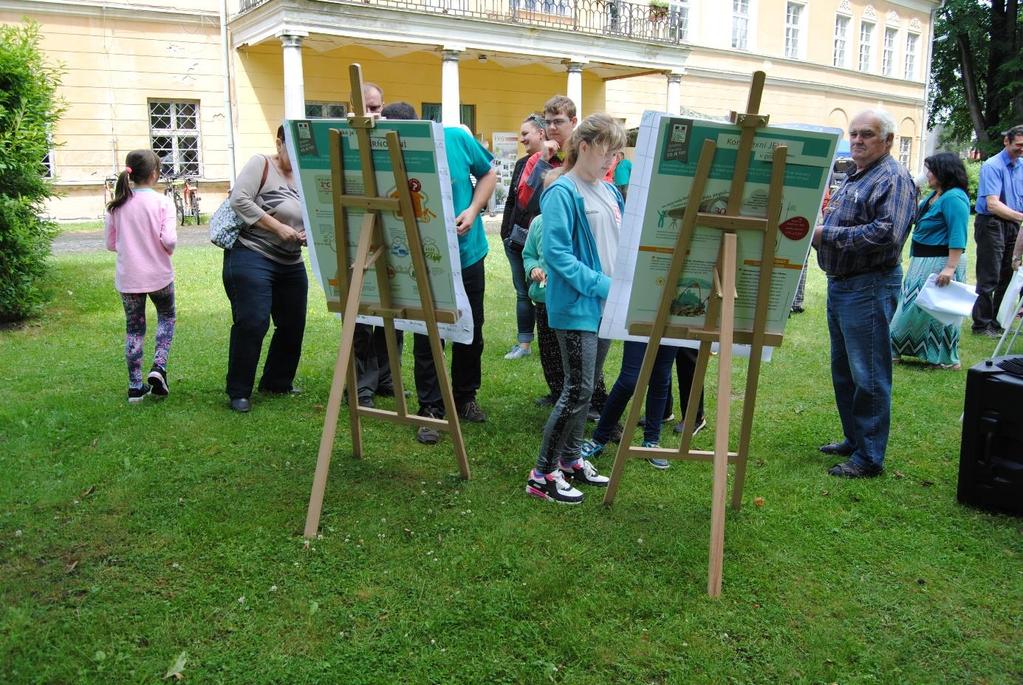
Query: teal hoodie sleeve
pixel 531 250
pixel 560 221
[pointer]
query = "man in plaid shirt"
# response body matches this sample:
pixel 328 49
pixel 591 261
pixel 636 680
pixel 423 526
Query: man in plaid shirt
pixel 859 246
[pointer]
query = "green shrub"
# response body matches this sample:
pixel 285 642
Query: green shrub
pixel 973 176
pixel 29 108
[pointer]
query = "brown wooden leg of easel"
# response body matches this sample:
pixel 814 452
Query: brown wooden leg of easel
pixel 341 370
pixel 394 363
pixel 774 201
pixel 430 316
pixel 749 404
pixel 702 361
pixel 354 420
pixel 720 486
pixel 450 410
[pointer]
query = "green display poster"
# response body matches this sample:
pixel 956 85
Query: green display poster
pixel 422 144
pixel 667 153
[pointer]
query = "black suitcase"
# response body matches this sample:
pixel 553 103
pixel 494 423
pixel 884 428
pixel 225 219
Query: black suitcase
pixel 991 454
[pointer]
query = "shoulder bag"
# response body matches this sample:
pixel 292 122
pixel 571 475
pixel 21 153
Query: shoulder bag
pixel 225 224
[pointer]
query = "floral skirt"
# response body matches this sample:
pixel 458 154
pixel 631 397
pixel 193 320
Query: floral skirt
pixel 915 333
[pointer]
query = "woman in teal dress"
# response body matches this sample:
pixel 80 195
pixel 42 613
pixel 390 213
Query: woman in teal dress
pixel 939 240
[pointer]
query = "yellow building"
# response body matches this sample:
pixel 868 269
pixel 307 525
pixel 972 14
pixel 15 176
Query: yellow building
pixel 205 82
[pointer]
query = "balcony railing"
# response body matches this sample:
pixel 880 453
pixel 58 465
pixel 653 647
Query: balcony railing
pixel 630 20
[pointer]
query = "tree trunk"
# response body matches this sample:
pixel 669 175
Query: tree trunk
pixel 1003 48
pixel 969 69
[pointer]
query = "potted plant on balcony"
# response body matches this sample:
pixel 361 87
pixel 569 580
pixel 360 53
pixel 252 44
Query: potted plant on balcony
pixel 658 10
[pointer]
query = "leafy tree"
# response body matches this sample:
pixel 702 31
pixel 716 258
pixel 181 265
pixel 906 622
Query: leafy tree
pixel 29 108
pixel 977 71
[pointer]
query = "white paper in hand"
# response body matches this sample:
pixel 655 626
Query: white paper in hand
pixel 949 304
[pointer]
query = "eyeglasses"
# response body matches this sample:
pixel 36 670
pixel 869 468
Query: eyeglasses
pixel 557 123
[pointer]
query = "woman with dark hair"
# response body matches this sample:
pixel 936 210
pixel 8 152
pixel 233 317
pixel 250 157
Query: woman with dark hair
pixel 532 133
pixel 939 240
pixel 265 278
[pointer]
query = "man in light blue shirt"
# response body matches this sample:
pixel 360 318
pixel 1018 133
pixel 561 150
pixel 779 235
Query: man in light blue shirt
pixel 999 213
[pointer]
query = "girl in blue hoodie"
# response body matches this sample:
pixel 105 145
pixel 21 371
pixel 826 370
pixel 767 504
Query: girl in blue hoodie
pixel 582 215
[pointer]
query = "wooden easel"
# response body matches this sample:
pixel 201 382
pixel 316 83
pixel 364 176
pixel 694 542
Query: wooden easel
pixel 719 326
pixel 372 254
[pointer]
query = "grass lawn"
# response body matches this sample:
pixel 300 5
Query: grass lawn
pixel 81 226
pixel 138 540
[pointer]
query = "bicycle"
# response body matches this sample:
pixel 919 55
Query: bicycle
pixel 185 194
pixel 109 183
pixel 191 198
pixel 171 190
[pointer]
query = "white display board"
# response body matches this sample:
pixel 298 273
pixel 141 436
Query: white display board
pixel 667 152
pixel 422 144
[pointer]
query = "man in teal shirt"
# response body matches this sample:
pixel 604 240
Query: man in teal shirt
pixel 622 174
pixel 467 160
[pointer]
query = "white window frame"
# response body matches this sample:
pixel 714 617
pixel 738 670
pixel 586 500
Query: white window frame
pixel 905 150
pixel 48 165
pixel 795 33
pixel 888 50
pixel 680 18
pixel 176 133
pixel 741 18
pixel 840 46
pixel 909 70
pixel 866 48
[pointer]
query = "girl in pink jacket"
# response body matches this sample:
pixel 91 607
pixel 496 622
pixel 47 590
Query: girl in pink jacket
pixel 140 229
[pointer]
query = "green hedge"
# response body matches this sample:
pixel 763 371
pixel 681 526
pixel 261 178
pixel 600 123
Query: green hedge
pixel 29 109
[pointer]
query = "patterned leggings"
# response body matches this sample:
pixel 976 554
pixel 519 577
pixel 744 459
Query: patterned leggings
pixel 550 362
pixel 135 330
pixel 582 352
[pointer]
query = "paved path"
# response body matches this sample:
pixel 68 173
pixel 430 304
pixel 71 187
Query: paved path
pixel 190 236
pixel 92 241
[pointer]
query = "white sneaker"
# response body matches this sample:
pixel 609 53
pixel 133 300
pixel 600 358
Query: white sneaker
pixel 700 425
pixel 553 488
pixel 518 352
pixel 583 471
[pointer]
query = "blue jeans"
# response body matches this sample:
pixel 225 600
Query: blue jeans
pixel 262 290
pixel 860 310
pixel 581 354
pixel 525 314
pixel 625 386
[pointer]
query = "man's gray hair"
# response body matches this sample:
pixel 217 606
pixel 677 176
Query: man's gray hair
pixel 884 118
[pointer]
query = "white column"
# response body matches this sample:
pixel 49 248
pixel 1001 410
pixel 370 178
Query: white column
pixel 294 80
pixel 450 98
pixel 575 86
pixel 674 101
